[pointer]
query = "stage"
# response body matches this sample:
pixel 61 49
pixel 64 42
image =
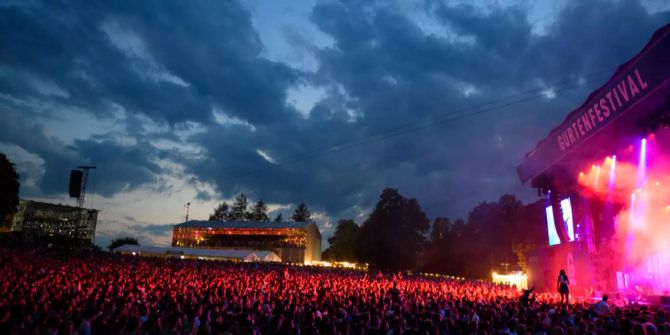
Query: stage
pixel 605 175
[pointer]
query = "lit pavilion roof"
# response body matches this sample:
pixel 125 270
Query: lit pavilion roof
pixel 243 224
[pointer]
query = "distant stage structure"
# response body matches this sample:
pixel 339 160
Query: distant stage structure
pixel 294 242
pixel 49 220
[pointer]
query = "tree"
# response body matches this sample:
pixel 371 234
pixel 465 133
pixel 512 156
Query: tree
pixel 238 212
pixel 531 234
pixel 327 255
pixel 221 213
pixel 9 188
pixel 259 212
pixel 498 232
pixel 455 263
pixel 279 218
pixel 437 253
pixel 521 249
pixel 301 214
pixel 439 231
pixel 343 242
pixel 393 236
pixel 122 241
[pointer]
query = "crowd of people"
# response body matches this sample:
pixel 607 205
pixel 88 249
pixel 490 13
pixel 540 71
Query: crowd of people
pixel 44 291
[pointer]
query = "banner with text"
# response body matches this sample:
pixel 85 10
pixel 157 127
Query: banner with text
pixel 630 85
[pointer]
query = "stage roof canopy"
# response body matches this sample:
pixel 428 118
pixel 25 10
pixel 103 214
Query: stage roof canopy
pixel 243 224
pixel 626 107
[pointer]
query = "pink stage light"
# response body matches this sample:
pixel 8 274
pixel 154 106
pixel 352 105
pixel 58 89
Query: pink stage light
pixel 632 210
pixel 642 164
pixel 638 200
pixel 612 176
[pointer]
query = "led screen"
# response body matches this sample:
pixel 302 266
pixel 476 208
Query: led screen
pixel 566 208
pixel 568 227
pixel 551 228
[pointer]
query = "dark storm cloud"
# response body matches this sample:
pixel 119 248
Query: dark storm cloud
pixel 158 68
pixel 505 33
pixel 598 33
pixel 122 167
pixel 169 62
pixel 214 48
pixel 145 232
pixel 389 73
pixel 394 74
pixel 33 138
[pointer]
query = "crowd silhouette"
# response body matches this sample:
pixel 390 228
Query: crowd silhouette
pixel 44 291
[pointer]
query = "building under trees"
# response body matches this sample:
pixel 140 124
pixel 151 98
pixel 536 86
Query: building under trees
pixel 55 220
pixel 294 242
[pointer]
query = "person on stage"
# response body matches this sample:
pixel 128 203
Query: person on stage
pixel 563 290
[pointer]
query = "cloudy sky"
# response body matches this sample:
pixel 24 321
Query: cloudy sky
pixel 323 102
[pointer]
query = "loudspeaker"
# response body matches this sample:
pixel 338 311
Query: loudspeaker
pixel 75 183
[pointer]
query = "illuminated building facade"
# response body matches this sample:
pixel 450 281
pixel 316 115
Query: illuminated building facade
pixel 47 219
pixel 294 242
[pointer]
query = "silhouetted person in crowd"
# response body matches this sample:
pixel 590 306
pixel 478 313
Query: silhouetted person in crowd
pixel 85 327
pixel 601 307
pixel 563 289
pixel 527 298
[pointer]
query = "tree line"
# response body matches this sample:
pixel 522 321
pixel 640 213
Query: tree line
pixel 240 210
pixel 399 236
pixel 9 191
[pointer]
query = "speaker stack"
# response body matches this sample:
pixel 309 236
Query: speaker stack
pixel 75 183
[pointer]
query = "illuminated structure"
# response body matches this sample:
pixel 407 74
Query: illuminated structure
pixel 517 279
pixel 294 242
pixel 47 219
pixel 231 255
pixel 604 171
